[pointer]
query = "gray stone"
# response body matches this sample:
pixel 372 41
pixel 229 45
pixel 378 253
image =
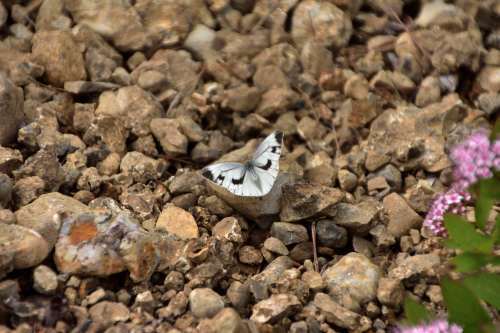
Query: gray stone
pixel 331 235
pixel 11 109
pixel 302 201
pixel 289 233
pixel 239 295
pixel 3 15
pixel 353 280
pixel 228 229
pixel 44 280
pixel 10 159
pixel 107 313
pixel 250 255
pixel 414 265
pixel 313 280
pixel 20 248
pixel 275 308
pixel 347 180
pixel 41 214
pixel 6 186
pixel 275 245
pixel 141 167
pixel 274 270
pixel 400 215
pixel 205 303
pixel 390 292
pixel 226 320
pixel 357 218
pixel 87 87
pixel 59 54
pixel 168 133
pixel 392 175
pixel 321 21
pixel 174 280
pixel 134 107
pixel 336 314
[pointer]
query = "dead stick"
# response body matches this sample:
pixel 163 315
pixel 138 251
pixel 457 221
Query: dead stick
pixel 315 253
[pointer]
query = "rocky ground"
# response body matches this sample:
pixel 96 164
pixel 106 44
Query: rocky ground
pixel 108 109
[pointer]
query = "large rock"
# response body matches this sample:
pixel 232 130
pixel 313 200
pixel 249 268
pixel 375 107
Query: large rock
pixel 20 248
pixel 412 138
pixel 10 159
pixel 302 201
pixel 336 314
pixel 42 214
pixel 61 57
pixel 275 308
pixel 401 217
pixel 357 218
pixel 133 106
pixel 106 313
pixel 322 21
pixel 44 164
pixel 226 320
pixel 205 302
pixel 115 20
pixel 353 280
pixel 178 68
pixel 170 136
pixel 176 221
pixel 11 109
pixel 414 265
pixel 100 244
pixel 289 233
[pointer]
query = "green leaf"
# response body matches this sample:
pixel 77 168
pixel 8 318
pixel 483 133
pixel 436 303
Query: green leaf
pixel 496 130
pixel 489 188
pixel 415 313
pixel 495 261
pixel 486 286
pixel 496 231
pixel 463 306
pixel 464 236
pixel 469 262
pixel 482 211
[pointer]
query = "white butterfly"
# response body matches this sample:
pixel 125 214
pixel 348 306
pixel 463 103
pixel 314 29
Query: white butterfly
pixel 256 177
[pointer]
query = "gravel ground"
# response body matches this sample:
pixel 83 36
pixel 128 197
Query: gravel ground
pixel 109 109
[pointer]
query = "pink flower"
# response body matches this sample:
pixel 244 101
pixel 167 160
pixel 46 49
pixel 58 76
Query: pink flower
pixel 437 326
pixel 475 159
pixel 452 201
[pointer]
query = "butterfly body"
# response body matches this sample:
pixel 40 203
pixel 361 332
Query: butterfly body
pixel 256 177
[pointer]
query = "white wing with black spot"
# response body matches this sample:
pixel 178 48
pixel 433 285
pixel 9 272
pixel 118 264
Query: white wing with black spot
pixel 254 178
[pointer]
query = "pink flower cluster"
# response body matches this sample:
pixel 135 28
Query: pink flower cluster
pixel 474 159
pixel 452 201
pixel 437 326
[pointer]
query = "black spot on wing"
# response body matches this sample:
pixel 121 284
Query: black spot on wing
pixel 220 179
pixel 208 174
pixel 275 149
pixel 238 181
pixel 279 136
pixel 268 164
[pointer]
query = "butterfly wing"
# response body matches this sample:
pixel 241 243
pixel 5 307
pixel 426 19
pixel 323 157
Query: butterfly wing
pixel 264 167
pixel 231 176
pixel 255 178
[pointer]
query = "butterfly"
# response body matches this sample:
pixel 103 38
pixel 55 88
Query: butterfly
pixel 256 177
